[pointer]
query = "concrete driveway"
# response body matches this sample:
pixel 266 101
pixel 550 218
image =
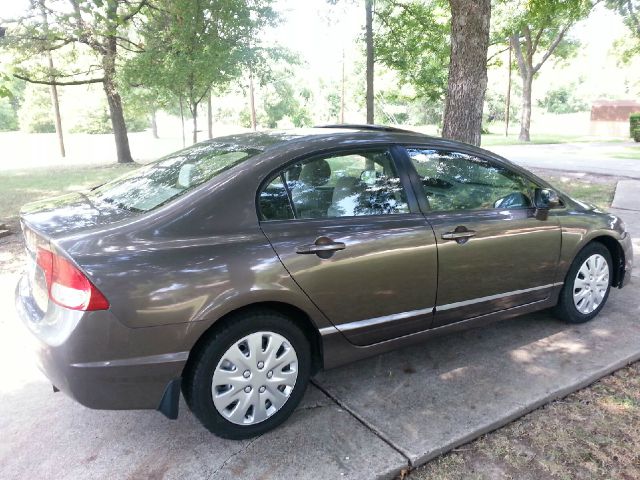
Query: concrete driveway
pixel 574 157
pixel 367 420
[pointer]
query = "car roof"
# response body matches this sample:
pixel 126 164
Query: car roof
pixel 268 139
pixel 342 135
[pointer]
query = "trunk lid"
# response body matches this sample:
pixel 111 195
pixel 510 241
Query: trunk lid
pixel 70 214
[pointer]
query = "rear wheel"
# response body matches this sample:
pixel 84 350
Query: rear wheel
pixel 249 376
pixel 587 285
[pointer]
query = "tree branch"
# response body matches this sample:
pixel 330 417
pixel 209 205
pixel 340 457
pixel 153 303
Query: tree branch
pixel 522 66
pixel 552 48
pixel 56 83
pixel 497 53
pixel 132 14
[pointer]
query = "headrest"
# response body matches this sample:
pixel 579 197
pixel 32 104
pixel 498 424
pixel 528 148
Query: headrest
pixel 315 173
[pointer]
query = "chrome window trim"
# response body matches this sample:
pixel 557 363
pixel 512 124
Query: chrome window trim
pixel 369 322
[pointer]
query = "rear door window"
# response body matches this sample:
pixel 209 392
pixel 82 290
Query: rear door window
pixel 340 185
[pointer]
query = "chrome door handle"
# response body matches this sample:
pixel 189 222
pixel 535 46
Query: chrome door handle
pixel 458 235
pixel 320 248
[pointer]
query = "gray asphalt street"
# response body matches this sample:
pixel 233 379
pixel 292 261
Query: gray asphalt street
pixel 574 157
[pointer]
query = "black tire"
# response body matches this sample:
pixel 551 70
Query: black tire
pixel 566 309
pixel 198 376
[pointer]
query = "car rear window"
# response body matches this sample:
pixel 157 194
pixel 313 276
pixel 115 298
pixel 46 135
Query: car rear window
pixel 166 179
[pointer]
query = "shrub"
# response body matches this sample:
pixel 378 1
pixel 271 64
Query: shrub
pixel 8 117
pixel 563 100
pixel 98 120
pixel 634 126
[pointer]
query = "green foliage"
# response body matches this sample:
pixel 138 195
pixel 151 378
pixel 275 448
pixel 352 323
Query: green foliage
pixel 190 46
pixel 11 96
pixel 413 39
pixel 283 101
pixel 8 116
pixel 97 120
pixel 494 107
pixel 36 113
pixel 563 100
pixel 540 27
pixel 634 126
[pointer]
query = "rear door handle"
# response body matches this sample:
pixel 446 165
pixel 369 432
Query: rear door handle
pixel 320 248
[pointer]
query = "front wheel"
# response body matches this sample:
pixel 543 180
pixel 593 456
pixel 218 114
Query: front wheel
pixel 587 285
pixel 249 376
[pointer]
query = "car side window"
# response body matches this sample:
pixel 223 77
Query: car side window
pixel 274 201
pixel 459 181
pixel 340 185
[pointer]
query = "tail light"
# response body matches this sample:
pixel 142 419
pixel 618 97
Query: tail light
pixel 67 285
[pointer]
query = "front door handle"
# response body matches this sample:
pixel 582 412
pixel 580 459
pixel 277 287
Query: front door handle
pixel 323 246
pixel 460 235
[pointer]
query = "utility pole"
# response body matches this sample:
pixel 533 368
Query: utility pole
pixel 508 105
pixel 209 116
pixel 342 96
pixel 53 88
pixel 368 4
pixel 252 102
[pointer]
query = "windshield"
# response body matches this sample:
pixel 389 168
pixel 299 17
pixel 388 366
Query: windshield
pixel 157 183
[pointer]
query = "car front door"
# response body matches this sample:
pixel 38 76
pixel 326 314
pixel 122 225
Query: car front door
pixel 350 233
pixel 494 253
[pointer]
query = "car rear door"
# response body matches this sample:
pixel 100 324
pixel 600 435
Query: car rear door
pixel 350 233
pixel 494 253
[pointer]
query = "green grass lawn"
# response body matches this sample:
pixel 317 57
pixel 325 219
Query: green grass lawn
pixel 598 190
pixel 24 186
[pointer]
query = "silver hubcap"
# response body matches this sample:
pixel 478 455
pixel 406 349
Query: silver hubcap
pixel 254 378
pixel 591 284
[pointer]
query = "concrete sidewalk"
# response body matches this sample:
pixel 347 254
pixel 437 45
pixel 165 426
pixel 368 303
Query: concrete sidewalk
pixel 367 420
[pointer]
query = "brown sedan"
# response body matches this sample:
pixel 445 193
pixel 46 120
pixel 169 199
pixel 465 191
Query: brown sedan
pixel 235 269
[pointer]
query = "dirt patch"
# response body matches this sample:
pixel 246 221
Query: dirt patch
pixel 11 254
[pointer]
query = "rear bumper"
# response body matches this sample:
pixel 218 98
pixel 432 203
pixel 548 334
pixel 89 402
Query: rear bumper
pixel 93 358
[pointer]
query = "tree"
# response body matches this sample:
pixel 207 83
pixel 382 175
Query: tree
pixel 467 81
pixel 412 38
pixel 537 31
pixel 192 46
pixel 629 10
pixel 96 29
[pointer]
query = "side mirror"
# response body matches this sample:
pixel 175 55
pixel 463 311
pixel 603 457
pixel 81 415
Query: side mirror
pixel 545 199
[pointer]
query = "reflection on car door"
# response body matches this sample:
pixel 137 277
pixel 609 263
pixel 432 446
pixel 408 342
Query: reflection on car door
pixel 493 253
pixel 342 226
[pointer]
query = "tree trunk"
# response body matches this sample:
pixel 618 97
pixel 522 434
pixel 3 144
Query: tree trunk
pixel 525 121
pixel 182 122
pixel 154 124
pixel 123 151
pixel 116 112
pixel 252 102
pixel 370 60
pixel 507 108
pixel 467 70
pixel 209 117
pixel 194 115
